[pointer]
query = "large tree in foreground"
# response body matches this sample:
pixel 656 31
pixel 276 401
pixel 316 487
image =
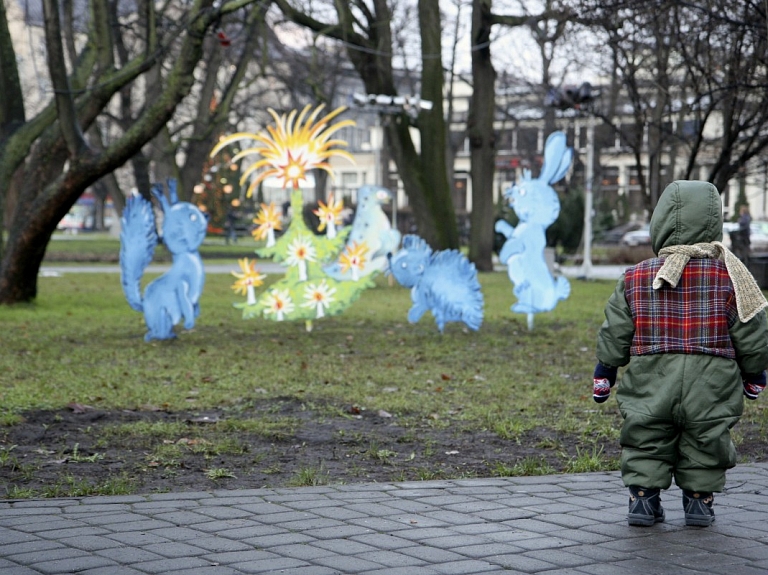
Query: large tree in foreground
pixel 50 150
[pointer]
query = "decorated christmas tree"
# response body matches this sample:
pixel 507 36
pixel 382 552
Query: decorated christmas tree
pixel 293 146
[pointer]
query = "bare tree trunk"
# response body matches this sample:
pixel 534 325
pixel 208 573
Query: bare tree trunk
pixel 482 138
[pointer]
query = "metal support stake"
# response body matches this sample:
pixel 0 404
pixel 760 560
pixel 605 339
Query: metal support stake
pixel 586 267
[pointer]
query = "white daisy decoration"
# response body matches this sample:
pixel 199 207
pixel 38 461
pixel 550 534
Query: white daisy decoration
pixel 318 296
pixel 300 252
pixel 279 303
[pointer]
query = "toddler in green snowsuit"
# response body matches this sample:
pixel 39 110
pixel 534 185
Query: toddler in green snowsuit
pixel 690 324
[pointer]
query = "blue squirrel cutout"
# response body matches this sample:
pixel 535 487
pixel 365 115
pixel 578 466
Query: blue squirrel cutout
pixel 370 226
pixel 175 294
pixel 443 282
pixel 537 206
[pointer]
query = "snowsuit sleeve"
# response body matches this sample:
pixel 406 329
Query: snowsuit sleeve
pixel 750 340
pixel 615 336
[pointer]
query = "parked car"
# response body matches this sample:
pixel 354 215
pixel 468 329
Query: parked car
pixel 639 237
pixel 614 235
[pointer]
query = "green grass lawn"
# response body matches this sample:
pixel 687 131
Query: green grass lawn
pixel 80 342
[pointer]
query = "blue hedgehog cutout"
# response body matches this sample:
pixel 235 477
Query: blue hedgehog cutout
pixel 370 226
pixel 537 206
pixel 175 294
pixel 444 282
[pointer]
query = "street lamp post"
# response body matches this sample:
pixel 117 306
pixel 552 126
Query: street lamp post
pixel 586 266
pixel 579 98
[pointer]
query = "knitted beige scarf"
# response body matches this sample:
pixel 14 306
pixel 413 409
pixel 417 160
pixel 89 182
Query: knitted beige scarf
pixel 749 299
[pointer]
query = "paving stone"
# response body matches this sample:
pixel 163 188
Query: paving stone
pixel 300 551
pixel 382 540
pixel 252 530
pixel 347 564
pixel 129 555
pixel 112 570
pixel 284 538
pixel 521 563
pixel 210 570
pixel 560 557
pixel 89 542
pixel 214 544
pixel 466 567
pixel 270 565
pixel 18 547
pixel 240 556
pixel 165 565
pixel 394 559
pixel 73 564
pixel 175 549
pixel 486 550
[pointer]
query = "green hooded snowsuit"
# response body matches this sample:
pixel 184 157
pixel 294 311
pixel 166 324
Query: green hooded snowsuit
pixel 687 351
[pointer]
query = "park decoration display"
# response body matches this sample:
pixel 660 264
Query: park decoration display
pixel 299 142
pixel 370 228
pixel 443 282
pixel 537 206
pixel 175 295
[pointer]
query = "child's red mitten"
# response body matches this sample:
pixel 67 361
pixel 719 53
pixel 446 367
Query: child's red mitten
pixel 602 382
pixel 753 383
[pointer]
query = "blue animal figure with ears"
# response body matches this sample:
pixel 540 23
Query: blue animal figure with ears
pixel 176 293
pixel 370 227
pixel 443 282
pixel 537 206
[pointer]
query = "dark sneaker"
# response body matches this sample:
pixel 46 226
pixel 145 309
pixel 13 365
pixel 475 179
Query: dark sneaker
pixel 698 508
pixel 644 506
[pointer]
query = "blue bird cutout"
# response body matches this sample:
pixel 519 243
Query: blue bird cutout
pixel 175 294
pixel 370 225
pixel 444 283
pixel 537 206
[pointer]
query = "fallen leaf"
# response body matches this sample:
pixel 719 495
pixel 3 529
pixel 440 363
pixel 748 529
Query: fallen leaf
pixel 79 407
pixel 383 413
pixel 205 419
pixel 445 377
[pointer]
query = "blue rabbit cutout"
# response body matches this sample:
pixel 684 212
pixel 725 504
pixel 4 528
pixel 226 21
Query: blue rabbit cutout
pixel 537 206
pixel 175 294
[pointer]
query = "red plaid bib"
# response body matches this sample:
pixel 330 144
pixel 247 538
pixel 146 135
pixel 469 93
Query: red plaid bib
pixel 692 318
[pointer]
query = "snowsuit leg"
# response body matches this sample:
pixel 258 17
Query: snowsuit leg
pixel 678 411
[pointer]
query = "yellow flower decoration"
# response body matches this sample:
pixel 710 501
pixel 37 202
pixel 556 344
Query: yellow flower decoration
pixel 267 220
pixel 250 276
pixel 296 144
pixel 330 213
pixel 248 279
pixel 353 257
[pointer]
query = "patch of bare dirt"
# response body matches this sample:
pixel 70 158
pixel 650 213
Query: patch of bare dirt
pixel 76 451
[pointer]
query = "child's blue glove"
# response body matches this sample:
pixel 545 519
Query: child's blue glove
pixel 602 382
pixel 753 383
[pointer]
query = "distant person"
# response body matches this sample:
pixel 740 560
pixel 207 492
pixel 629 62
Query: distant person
pixel 744 244
pixel 230 224
pixel 692 328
